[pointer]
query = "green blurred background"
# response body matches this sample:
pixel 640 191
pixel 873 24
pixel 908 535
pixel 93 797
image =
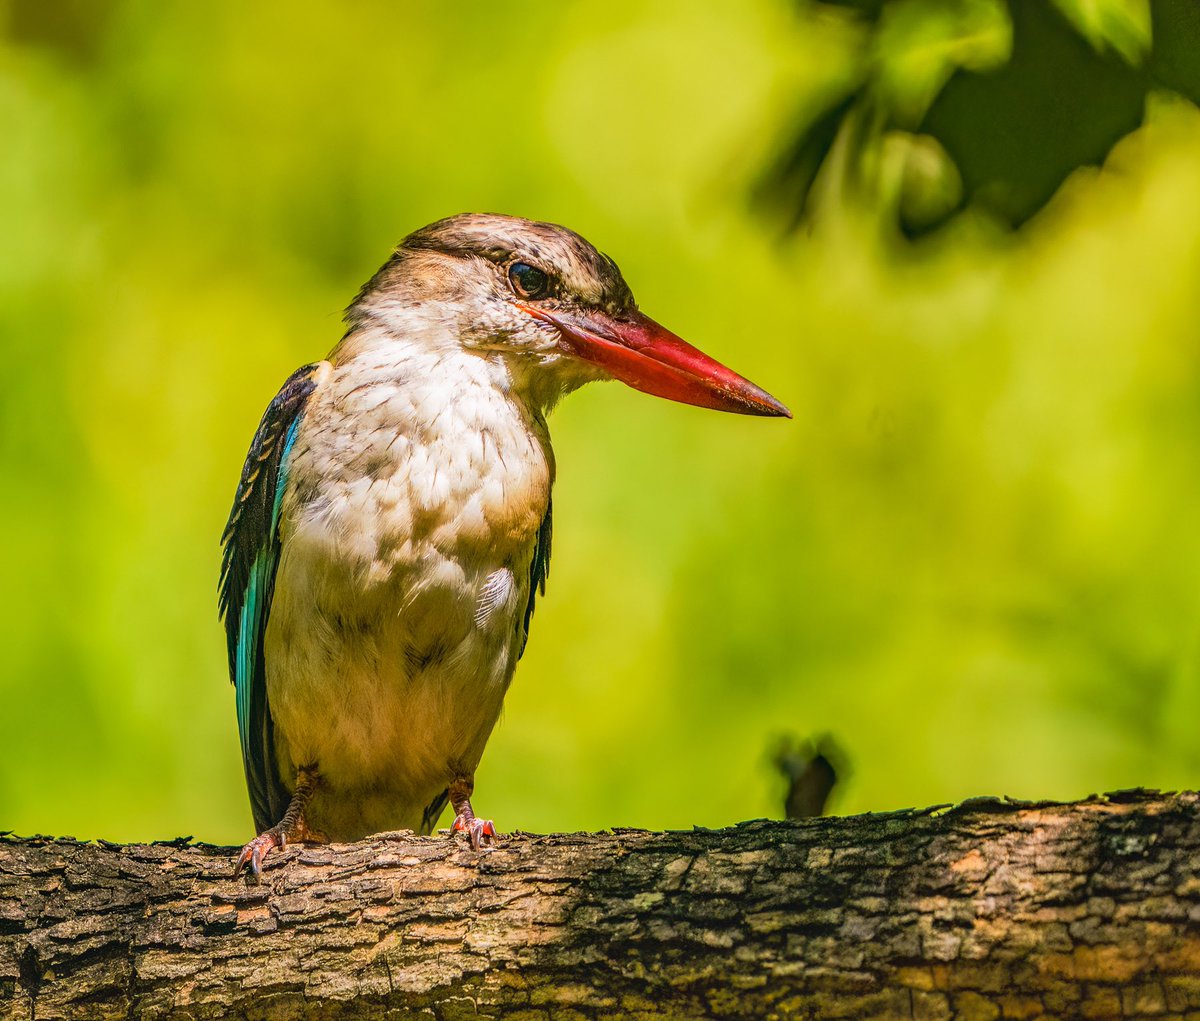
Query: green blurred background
pixel 974 556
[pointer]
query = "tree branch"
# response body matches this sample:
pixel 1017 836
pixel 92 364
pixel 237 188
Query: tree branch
pixel 988 909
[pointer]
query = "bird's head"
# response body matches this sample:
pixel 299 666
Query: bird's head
pixel 553 307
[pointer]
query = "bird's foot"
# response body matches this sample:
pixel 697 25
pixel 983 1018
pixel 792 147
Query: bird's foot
pixel 291 827
pixel 255 851
pixel 481 832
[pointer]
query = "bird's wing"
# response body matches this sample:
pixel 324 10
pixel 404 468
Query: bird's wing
pixel 250 555
pixel 539 570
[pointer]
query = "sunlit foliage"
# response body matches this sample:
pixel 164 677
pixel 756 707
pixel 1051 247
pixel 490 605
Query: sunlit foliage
pixel 983 105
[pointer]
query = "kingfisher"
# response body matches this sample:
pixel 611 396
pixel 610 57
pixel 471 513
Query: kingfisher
pixel 391 528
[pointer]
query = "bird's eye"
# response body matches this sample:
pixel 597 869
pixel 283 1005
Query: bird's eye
pixel 528 281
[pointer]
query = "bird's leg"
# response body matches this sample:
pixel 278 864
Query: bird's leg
pixel 480 831
pixel 290 827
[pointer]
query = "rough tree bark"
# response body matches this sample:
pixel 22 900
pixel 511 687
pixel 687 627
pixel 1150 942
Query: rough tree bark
pixel 990 909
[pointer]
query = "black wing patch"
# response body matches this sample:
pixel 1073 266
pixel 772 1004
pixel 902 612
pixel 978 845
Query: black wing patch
pixel 539 570
pixel 434 809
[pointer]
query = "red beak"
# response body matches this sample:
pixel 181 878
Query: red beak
pixel 650 358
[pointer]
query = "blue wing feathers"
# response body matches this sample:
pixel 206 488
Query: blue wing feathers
pixel 250 558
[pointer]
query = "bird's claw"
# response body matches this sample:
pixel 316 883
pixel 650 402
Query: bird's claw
pixel 255 851
pixel 481 832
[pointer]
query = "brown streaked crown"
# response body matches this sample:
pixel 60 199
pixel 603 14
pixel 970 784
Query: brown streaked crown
pixel 581 272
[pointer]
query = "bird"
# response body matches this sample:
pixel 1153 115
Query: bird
pixel 391 528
